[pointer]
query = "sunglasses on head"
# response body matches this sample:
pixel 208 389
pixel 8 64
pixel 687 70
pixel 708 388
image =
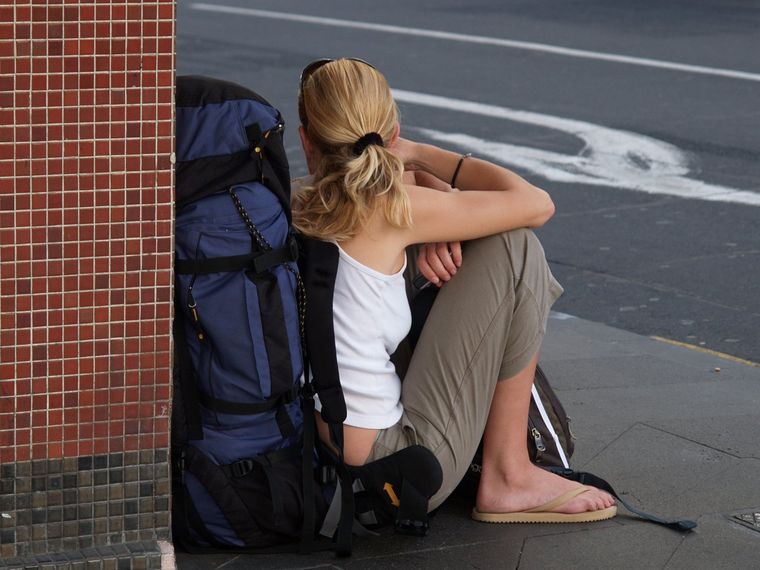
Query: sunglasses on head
pixel 310 68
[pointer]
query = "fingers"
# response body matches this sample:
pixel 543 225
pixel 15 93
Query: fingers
pixel 439 262
pixel 436 264
pixel 425 269
pixel 456 252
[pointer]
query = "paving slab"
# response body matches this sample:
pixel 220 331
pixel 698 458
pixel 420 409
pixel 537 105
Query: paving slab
pixel 622 547
pixel 719 543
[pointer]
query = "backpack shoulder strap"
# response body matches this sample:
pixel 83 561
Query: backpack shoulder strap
pixel 319 266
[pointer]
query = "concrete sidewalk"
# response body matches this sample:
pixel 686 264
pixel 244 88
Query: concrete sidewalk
pixel 676 431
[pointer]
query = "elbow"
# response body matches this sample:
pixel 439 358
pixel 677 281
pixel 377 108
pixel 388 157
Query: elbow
pixel 545 210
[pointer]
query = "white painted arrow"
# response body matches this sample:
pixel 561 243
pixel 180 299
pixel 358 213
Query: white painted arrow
pixel 610 157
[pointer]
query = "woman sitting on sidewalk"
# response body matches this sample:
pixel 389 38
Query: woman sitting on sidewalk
pixel 472 370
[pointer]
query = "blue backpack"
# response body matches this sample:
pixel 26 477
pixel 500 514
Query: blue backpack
pixel 239 359
pixel 248 471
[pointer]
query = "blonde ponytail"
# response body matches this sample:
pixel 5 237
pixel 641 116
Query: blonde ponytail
pixel 343 103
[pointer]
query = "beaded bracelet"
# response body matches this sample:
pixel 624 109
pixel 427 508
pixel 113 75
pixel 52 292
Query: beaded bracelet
pixel 459 166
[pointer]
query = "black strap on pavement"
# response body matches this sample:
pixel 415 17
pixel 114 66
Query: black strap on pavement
pixel 681 525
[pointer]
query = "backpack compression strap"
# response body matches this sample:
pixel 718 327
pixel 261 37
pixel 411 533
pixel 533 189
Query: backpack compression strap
pixel 258 261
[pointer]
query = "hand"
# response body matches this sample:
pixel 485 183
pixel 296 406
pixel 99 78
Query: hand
pixel 407 151
pixel 439 262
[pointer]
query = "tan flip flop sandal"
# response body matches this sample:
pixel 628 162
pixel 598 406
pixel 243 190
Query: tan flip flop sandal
pixel 545 513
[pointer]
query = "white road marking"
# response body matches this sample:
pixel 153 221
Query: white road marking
pixel 610 157
pixel 483 40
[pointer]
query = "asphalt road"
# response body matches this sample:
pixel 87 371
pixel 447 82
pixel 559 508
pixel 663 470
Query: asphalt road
pixel 616 143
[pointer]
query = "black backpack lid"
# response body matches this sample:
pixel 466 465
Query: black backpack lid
pixel 218 126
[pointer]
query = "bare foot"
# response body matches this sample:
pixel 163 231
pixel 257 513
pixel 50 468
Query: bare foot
pixel 534 487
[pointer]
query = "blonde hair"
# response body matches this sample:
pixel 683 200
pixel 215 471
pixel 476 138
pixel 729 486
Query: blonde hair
pixel 339 103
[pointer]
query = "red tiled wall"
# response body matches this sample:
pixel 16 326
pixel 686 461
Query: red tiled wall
pixel 86 137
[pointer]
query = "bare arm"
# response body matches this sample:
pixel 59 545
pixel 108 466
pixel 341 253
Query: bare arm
pixel 494 199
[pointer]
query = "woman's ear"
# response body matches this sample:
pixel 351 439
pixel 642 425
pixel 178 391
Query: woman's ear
pixel 308 149
pixel 395 136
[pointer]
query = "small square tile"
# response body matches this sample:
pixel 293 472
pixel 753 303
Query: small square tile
pixel 7 503
pixel 86 511
pixel 86 494
pixel 24 517
pixel 70 497
pixel 70 529
pixel 116 492
pixel 39 484
pixel 23 484
pixel 115 524
pixel 39 467
pixel 131 474
pixel 54 498
pixel 70 513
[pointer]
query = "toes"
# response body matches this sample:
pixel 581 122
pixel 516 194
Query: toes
pixel 597 499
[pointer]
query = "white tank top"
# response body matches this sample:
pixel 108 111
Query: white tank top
pixel 371 317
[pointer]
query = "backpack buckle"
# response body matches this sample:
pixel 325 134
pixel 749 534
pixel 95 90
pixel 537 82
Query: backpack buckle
pixel 412 527
pixel 327 474
pixel 293 248
pixel 241 468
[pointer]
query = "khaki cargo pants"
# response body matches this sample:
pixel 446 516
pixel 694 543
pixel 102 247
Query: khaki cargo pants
pixel 485 325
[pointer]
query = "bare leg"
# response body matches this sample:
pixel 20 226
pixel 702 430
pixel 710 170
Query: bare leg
pixel 509 481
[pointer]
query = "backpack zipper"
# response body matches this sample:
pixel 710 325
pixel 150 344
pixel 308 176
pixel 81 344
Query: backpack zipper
pixel 193 307
pixel 537 439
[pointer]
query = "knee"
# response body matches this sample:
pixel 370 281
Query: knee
pixel 521 243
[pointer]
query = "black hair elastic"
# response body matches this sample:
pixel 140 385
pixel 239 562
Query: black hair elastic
pixel 365 141
pixel 458 168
